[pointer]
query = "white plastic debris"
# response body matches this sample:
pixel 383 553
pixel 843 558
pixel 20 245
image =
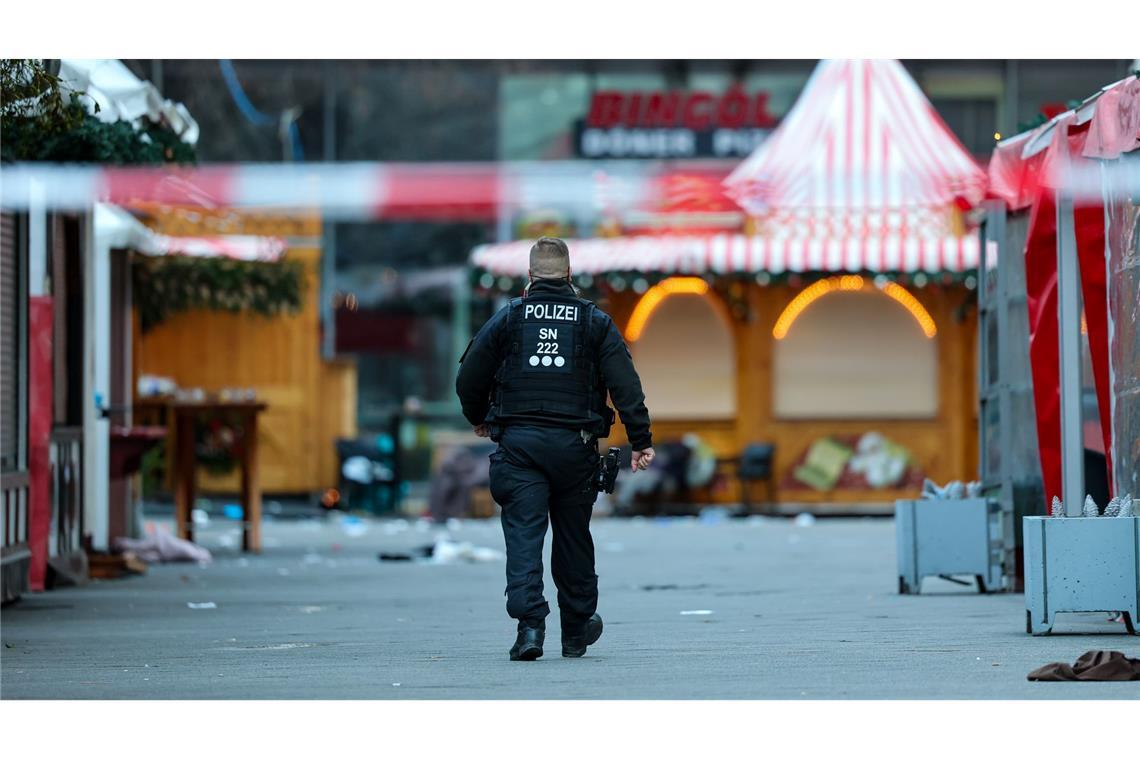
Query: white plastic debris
pixel 805 520
pixel 713 515
pixel 201 605
pixel 484 554
pixel 453 523
pixel 955 489
pixel 353 526
pixel 696 612
pixel 1089 508
pixel 358 469
pixel 200 517
pixel 445 551
pixel 163 547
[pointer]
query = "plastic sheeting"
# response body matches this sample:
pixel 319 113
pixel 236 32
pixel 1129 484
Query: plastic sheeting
pixel 1122 237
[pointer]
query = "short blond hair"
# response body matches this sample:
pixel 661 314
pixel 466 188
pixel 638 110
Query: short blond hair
pixel 549 258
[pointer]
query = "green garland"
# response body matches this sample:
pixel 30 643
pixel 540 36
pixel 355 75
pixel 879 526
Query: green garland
pixel 40 123
pixel 167 285
pixel 1040 118
pixel 488 283
pixel 93 141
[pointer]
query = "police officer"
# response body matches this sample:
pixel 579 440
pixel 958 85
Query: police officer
pixel 535 380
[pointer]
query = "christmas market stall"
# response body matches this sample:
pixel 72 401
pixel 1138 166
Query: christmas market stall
pixel 820 298
pixel 1076 177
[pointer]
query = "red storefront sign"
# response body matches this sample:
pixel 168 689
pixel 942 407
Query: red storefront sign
pixel 674 124
pixel 696 110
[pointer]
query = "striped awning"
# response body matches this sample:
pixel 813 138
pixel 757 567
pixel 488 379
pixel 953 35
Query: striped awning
pixel 115 227
pixel 239 247
pixel 743 254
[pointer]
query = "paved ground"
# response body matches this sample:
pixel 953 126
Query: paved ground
pixel 795 612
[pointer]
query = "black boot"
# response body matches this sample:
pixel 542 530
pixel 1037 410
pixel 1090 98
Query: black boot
pixel 528 644
pixel 574 643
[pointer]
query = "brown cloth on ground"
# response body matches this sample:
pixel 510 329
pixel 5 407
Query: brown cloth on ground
pixel 1094 665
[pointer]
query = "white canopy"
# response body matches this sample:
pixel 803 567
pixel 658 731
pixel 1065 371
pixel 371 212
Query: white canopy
pixel 121 95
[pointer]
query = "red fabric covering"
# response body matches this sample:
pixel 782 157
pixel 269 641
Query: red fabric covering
pixel 1115 126
pixel 39 436
pixel 1089 223
pixel 1044 360
pixel 1012 178
pixel 1041 292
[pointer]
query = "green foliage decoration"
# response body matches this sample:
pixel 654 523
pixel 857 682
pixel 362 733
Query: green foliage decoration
pixel 41 122
pixel 167 285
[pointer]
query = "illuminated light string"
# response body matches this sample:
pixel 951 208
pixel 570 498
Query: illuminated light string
pixel 658 293
pixel 911 304
pixel 819 289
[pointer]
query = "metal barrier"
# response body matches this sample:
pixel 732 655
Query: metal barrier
pixel 15 555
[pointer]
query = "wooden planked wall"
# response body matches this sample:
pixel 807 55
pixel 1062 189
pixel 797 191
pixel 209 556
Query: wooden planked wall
pixel 311 402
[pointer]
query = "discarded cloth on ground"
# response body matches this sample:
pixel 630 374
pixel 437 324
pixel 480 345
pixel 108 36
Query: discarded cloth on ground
pixel 163 547
pixel 1094 665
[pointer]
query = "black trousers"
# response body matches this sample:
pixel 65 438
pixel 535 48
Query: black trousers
pixel 541 474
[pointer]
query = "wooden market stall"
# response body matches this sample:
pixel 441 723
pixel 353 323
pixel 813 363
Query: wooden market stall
pixel 831 316
pixel 309 401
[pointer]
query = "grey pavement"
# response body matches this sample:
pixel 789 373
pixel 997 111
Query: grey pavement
pixel 791 612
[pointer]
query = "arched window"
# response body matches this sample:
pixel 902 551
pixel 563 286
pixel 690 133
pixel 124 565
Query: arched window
pixel 684 352
pixel 855 353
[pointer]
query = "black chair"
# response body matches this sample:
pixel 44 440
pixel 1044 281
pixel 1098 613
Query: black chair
pixel 755 464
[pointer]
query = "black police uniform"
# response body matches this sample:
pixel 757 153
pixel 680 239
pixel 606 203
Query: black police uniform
pixel 537 374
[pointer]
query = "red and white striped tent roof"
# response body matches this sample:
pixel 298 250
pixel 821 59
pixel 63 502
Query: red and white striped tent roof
pixel 860 176
pixel 861 136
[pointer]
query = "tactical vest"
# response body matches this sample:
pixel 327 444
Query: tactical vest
pixel 549 368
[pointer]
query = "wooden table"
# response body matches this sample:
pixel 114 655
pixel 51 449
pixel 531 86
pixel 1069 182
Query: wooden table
pixel 185 463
